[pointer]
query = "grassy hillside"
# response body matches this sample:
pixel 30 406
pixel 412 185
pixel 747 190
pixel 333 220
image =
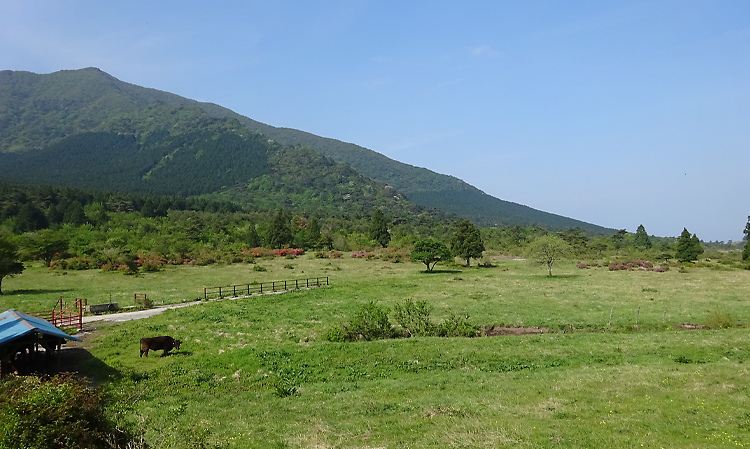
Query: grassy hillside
pixel 39 110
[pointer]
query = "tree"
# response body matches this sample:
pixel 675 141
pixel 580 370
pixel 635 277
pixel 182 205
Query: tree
pixel 688 247
pixel 29 219
pixel 641 238
pixel 575 237
pixel 279 233
pixel 379 228
pixel 547 249
pixel 746 251
pixel 44 244
pixel 618 238
pixel 313 233
pixel 467 243
pixel 9 264
pixel 74 214
pixel 430 251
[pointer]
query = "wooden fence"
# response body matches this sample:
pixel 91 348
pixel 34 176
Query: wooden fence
pixel 248 289
pixel 64 316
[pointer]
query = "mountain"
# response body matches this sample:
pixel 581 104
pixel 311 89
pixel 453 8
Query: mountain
pixel 38 112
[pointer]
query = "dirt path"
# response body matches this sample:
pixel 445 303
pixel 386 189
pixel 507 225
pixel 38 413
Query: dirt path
pixel 121 317
pixel 137 315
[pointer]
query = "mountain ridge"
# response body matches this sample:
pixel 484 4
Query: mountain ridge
pixel 79 98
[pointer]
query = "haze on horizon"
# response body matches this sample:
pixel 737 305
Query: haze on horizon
pixel 614 113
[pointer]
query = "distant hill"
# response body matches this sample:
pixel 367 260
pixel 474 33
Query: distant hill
pixel 38 112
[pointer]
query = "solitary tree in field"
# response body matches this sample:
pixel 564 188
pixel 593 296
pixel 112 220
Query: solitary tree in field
pixel 9 264
pixel 688 247
pixel 379 228
pixel 641 238
pixel 430 251
pixel 547 249
pixel 467 243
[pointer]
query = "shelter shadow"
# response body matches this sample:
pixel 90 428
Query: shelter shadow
pixel 80 360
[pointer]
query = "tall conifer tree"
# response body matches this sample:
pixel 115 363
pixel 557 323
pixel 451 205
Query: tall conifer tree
pixel 688 247
pixel 746 251
pixel 641 238
pixel 379 228
pixel 467 243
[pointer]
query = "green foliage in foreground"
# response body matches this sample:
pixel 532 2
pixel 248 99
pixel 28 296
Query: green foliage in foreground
pixel 258 372
pixel 61 412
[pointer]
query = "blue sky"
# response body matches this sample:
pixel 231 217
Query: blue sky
pixel 616 113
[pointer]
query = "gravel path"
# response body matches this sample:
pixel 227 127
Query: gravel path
pixel 140 314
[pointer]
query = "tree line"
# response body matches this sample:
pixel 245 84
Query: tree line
pixel 79 229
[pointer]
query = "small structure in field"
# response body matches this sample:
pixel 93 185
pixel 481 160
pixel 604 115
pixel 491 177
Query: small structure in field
pixel 22 337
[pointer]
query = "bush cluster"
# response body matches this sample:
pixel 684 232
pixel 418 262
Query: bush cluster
pixel 333 254
pixel 371 322
pixel 635 264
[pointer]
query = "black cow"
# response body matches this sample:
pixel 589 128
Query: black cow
pixel 155 343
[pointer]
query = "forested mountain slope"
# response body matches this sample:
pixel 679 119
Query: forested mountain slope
pixel 422 186
pixel 223 163
pixel 39 111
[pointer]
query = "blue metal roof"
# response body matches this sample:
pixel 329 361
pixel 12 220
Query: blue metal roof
pixel 14 324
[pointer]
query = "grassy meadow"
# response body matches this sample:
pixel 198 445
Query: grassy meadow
pixel 258 372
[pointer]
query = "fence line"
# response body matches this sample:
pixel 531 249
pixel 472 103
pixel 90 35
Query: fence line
pixel 273 286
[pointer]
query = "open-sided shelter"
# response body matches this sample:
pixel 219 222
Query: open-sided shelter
pixel 20 337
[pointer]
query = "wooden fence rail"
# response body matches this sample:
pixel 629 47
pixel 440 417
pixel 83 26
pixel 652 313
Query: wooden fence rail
pixel 248 289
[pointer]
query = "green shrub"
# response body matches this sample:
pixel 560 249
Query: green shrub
pixel 259 268
pixel 289 266
pixel 415 318
pixel 369 323
pixel 457 326
pixel 720 319
pixel 336 335
pixel 61 412
pixel 284 387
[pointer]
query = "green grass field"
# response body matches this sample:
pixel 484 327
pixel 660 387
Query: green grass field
pixel 257 371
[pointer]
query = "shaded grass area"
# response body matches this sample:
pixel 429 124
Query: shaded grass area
pixel 256 372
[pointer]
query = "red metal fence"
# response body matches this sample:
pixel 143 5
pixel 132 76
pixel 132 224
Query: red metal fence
pixel 64 316
pixel 248 289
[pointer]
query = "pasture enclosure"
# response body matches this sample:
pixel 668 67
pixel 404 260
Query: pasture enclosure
pixel 257 372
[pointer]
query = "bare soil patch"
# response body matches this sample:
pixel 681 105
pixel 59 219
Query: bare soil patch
pixel 495 331
pixel 691 326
